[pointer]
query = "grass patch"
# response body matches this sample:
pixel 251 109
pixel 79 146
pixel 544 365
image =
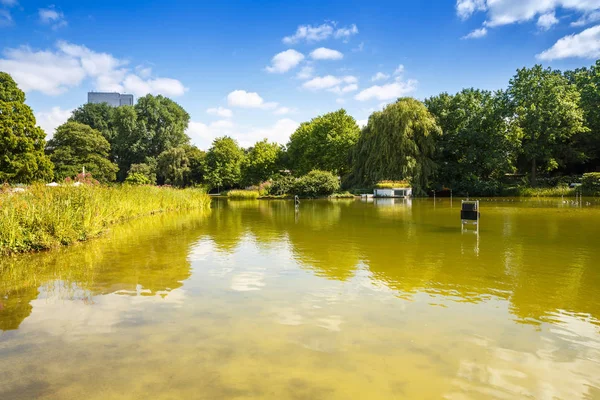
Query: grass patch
pixel 546 192
pixel 342 195
pixel 392 184
pixel 243 194
pixel 43 218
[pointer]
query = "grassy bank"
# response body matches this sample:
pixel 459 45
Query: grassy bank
pixel 243 194
pixel 43 217
pixel 546 192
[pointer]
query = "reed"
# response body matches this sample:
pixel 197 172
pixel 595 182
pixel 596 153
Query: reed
pixel 243 194
pixel 557 191
pixel 43 218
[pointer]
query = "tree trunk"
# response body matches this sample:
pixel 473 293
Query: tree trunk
pixel 533 169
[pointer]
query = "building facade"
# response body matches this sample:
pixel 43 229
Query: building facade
pixel 112 99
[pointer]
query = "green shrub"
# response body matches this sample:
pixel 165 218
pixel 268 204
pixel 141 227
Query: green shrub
pixel 590 184
pixel 137 178
pixel 243 194
pixel 147 170
pixel 316 183
pixel 282 185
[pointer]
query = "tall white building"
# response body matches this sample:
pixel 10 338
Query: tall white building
pixel 112 99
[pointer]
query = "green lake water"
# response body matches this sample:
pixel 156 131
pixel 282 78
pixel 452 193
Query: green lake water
pixel 340 299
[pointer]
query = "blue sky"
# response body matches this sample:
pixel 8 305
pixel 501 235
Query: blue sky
pixel 257 69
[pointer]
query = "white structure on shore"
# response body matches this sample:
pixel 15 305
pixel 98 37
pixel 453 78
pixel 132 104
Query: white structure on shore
pixel 111 98
pixel 393 192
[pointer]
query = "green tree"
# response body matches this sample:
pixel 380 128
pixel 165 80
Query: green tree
pixel 324 143
pixel 130 143
pixel 165 122
pixel 587 81
pixel 75 146
pixel 197 164
pixel 398 143
pixel 173 167
pixel 22 158
pixel 98 116
pixel 261 163
pixel 546 109
pixel 478 145
pixel 223 162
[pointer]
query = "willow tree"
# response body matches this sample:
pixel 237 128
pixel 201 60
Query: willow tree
pixel 398 143
pixel 22 158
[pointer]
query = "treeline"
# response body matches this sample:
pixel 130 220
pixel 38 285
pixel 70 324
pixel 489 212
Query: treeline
pixel 542 130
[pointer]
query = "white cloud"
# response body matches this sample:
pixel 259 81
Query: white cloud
pixel 345 33
pixel 284 61
pixel 140 87
pixel 546 21
pixel 362 123
pixel 220 111
pixel 587 19
pixel 311 33
pixel 5 18
pixel 144 72
pixel 280 133
pixel 399 70
pixel 202 135
pixel 306 72
pixel 340 100
pixel 476 34
pixel 380 76
pixel 243 99
pixel 582 45
pixel 388 91
pixel 360 47
pixel 323 53
pixel 222 124
pixel 50 16
pixel 328 81
pixel 283 111
pixel 504 12
pixel 50 120
pixel 466 8
pixel 344 89
pixel 55 71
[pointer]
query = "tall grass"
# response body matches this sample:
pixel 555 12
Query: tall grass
pixel 43 217
pixel 243 194
pixel 546 192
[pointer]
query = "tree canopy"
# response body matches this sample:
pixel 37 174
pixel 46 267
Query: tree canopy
pixel 77 145
pixel 164 121
pixel 398 143
pixel 545 107
pixel 22 158
pixel 261 162
pixel 478 145
pixel 223 163
pixel 587 81
pixel 324 143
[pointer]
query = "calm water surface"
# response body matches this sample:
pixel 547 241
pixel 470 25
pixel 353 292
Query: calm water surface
pixel 340 300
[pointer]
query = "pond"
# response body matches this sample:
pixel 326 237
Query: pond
pixel 338 299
